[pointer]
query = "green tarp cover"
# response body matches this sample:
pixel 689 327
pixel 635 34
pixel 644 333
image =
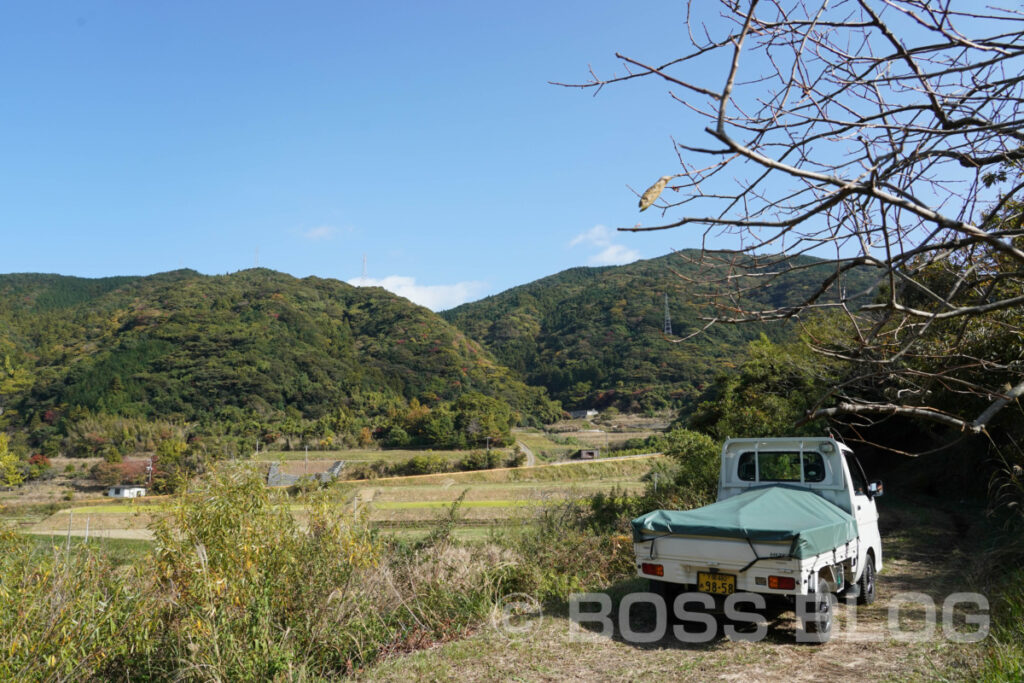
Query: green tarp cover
pixel 812 524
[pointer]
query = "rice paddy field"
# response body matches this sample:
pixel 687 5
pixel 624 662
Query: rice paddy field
pixel 490 499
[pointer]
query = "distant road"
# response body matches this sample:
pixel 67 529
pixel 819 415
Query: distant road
pixel 531 461
pixel 626 457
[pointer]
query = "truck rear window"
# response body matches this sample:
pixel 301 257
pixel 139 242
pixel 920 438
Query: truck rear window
pixel 781 466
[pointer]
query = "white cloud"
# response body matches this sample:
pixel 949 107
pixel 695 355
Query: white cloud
pixel 434 297
pixel 601 237
pixel 323 232
pixel 614 255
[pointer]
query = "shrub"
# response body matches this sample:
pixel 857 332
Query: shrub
pixel 430 463
pixel 253 595
pixel 480 460
pixel 110 453
pixel 517 459
pixel 106 474
pixel 39 467
pixel 396 437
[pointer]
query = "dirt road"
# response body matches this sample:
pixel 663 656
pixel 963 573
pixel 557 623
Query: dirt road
pixel 531 459
pixel 922 559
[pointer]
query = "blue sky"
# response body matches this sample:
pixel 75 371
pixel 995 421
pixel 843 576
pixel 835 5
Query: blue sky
pixel 143 137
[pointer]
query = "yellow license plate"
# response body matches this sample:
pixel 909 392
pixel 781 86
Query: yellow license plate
pixel 722 584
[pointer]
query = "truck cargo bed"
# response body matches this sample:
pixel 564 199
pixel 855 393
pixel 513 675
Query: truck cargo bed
pixel 799 523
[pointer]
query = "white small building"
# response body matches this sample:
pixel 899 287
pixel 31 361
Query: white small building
pixel 126 491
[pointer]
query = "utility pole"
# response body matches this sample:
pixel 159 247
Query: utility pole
pixel 306 470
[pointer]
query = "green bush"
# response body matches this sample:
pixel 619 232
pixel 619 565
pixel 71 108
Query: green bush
pixel 480 460
pixel 698 459
pixel 429 463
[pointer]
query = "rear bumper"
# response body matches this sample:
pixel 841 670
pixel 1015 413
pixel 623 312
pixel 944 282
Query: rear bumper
pixel 681 559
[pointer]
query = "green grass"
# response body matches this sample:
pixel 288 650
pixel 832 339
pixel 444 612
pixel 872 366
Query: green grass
pixel 111 508
pixel 543 447
pixel 120 550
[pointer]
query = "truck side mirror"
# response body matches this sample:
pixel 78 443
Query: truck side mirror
pixel 875 489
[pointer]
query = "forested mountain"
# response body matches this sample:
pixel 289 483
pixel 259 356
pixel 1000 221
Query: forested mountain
pixel 87 366
pixel 258 344
pixel 593 336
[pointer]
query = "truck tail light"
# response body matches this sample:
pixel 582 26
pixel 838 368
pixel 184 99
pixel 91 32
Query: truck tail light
pixel 652 569
pixel 786 583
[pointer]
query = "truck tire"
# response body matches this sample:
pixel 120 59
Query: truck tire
pixel 668 591
pixel 818 624
pixel 665 589
pixel 866 583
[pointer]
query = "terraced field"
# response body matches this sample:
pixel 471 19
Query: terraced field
pixel 404 505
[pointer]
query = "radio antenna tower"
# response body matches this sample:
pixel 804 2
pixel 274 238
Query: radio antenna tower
pixel 364 267
pixel 668 318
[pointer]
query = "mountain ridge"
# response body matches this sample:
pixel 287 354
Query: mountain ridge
pixel 594 336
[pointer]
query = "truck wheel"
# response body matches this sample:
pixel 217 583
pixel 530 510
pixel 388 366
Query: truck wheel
pixel 668 591
pixel 819 622
pixel 663 588
pixel 866 583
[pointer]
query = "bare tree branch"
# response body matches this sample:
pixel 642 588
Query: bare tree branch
pixel 889 133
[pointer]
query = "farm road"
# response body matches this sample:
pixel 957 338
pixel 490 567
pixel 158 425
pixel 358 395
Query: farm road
pixel 531 459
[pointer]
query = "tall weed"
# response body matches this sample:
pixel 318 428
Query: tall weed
pixel 237 588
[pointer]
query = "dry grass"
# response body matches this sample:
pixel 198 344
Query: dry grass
pixel 925 559
pixel 483 492
pixel 569 471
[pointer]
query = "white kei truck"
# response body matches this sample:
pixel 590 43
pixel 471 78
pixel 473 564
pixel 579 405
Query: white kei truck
pixel 794 517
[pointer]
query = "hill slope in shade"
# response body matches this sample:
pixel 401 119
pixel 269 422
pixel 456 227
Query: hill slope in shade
pixel 594 336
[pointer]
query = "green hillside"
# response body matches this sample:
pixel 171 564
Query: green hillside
pixel 182 346
pixel 593 336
